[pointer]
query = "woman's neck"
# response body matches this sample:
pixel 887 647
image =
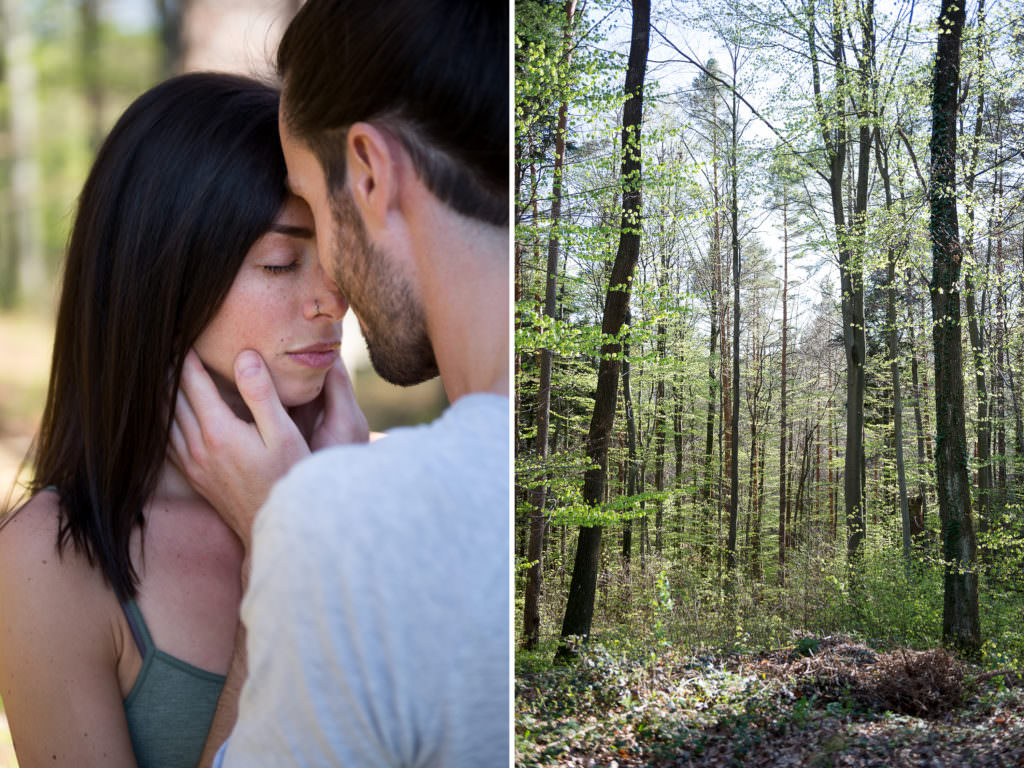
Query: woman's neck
pixel 172 485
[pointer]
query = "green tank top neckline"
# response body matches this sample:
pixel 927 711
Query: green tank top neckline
pixel 171 705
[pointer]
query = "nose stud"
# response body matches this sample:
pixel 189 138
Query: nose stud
pixel 316 305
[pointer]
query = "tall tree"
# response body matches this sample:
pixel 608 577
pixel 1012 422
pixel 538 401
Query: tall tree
pixel 171 15
pixel 960 622
pixel 539 518
pixel 833 112
pixel 579 609
pixel 90 69
pixel 892 333
pixel 734 208
pixel 24 272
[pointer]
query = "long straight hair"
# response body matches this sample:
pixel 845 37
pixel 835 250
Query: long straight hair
pixel 189 178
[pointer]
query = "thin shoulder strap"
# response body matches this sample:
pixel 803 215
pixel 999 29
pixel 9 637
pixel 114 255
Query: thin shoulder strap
pixel 138 626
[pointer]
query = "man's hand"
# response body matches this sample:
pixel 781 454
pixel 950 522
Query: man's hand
pixel 334 418
pixel 232 463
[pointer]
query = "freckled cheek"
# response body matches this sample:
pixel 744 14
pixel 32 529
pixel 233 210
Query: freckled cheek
pixel 248 319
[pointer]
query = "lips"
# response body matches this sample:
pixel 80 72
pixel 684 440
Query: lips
pixel 321 355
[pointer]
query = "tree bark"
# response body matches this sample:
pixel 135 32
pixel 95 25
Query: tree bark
pixel 960 622
pixel 579 609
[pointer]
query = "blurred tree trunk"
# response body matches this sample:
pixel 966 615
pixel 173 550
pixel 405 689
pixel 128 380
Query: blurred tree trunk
pixel 579 609
pixel 171 14
pixel 90 68
pixel 23 273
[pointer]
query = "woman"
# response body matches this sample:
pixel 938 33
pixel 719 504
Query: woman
pixel 119 584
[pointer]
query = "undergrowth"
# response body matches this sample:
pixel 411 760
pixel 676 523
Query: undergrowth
pixel 680 666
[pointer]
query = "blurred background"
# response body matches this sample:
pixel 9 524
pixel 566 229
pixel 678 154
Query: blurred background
pixel 67 71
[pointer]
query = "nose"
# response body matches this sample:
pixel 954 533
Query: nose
pixel 326 299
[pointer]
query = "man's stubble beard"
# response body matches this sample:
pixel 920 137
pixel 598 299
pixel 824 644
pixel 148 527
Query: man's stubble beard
pixel 390 315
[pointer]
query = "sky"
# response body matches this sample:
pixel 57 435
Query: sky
pixel 133 15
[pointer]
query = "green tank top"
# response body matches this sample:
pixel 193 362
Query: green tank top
pixel 171 705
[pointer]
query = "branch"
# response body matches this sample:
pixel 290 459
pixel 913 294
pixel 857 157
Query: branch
pixel 725 84
pixel 913 157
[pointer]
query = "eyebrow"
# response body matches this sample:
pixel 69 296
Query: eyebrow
pixel 293 231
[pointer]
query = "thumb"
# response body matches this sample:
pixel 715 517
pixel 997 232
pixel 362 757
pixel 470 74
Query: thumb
pixel 343 417
pixel 252 377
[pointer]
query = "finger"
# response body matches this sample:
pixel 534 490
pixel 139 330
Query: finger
pixel 177 448
pixel 179 454
pixel 343 420
pixel 187 424
pixel 210 413
pixel 338 390
pixel 257 390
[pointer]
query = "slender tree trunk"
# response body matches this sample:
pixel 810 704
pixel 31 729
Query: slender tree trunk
pixel 659 410
pixel 755 541
pixel 704 530
pixel 632 465
pixel 922 465
pixel 90 63
pixel 677 439
pixel 836 139
pixel 782 399
pixel 579 609
pixel 975 324
pixel 171 15
pixel 24 274
pixel 734 467
pixel 882 162
pixel 960 623
pixel 998 400
pixel 539 517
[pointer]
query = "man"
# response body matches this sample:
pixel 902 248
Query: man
pixel 377 606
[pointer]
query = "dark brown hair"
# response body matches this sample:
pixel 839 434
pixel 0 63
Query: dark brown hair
pixel 432 72
pixel 189 178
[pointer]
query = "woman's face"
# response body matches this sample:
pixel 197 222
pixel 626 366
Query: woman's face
pixel 281 305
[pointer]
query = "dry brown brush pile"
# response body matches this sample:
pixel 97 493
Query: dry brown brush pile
pixel 917 683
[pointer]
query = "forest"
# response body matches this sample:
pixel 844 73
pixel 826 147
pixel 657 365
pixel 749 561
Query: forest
pixel 769 318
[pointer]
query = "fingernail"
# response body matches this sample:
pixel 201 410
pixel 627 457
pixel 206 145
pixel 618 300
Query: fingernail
pixel 247 363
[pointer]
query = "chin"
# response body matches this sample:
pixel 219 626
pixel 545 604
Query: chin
pixel 293 392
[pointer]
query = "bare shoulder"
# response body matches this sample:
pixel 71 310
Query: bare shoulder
pixel 29 536
pixel 34 576
pixel 59 647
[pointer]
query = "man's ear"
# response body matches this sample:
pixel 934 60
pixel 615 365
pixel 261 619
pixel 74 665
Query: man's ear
pixel 373 168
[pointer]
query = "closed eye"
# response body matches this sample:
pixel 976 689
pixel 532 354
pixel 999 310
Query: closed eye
pixel 276 269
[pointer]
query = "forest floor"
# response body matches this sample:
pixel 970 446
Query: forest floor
pixel 820 702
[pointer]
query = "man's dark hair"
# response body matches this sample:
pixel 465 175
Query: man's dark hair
pixel 189 178
pixel 434 73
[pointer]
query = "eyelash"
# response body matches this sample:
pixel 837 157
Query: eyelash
pixel 280 270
